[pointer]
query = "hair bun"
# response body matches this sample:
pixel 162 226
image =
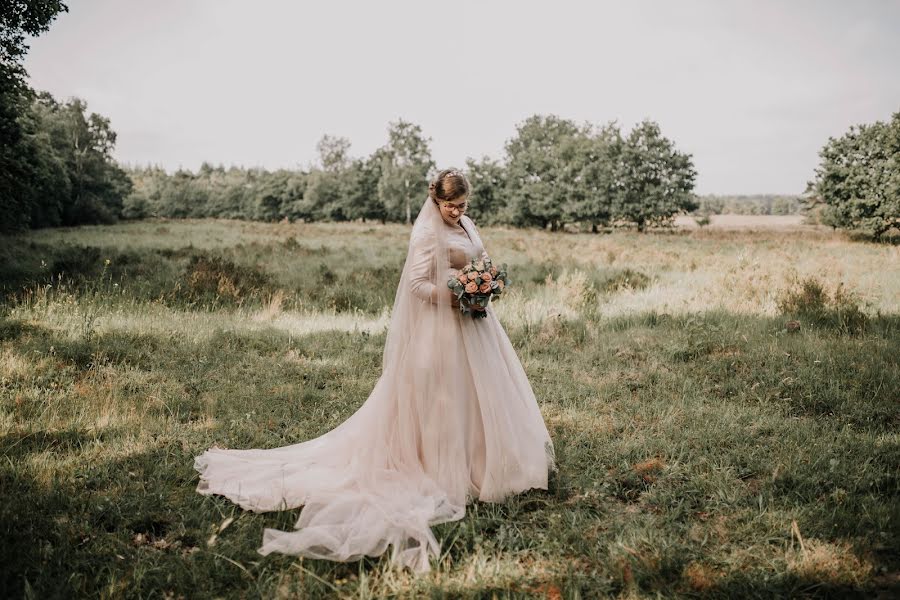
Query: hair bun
pixel 449 184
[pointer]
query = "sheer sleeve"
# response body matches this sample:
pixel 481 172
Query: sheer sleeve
pixel 420 271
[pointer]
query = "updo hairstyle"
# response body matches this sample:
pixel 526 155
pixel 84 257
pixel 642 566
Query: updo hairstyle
pixel 449 184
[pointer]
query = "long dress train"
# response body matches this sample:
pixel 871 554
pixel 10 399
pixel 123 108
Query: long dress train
pixel 452 418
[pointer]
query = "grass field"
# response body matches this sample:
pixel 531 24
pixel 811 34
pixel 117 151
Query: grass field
pixel 724 403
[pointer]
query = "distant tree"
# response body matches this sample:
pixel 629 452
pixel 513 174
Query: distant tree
pixel 295 186
pixel 538 175
pixel 83 144
pixel 177 198
pixel 655 181
pixel 488 196
pixel 858 179
pixel 405 164
pixel 785 205
pixel 758 204
pixel 328 193
pixel 272 196
pixel 235 195
pixel 592 182
pixel 334 153
pixel 361 188
pixel 146 192
pixel 325 196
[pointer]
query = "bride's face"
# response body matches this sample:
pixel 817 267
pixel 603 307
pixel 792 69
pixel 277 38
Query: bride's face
pixel 453 210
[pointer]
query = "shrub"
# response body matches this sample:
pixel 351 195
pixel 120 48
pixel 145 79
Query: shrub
pixel 809 300
pixel 622 280
pixel 218 278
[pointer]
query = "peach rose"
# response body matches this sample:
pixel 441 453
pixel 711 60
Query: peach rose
pixel 493 270
pixel 463 279
pixel 486 276
pixel 485 287
pixel 473 275
pixel 500 283
pixel 471 287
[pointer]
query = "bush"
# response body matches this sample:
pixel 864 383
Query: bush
pixel 360 289
pixel 809 300
pixel 216 278
pixel 626 279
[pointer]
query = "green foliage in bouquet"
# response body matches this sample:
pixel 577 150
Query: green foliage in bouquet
pixel 477 283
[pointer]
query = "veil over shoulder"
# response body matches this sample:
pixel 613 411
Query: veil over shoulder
pixel 451 418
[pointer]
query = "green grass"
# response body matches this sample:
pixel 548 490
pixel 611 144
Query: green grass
pixel 706 449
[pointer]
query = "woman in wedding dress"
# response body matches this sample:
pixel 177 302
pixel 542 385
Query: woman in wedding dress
pixel 451 418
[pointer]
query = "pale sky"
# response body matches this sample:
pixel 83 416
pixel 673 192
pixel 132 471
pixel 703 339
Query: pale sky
pixel 751 89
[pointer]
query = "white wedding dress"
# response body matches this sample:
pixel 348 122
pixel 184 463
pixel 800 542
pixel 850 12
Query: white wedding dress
pixel 452 418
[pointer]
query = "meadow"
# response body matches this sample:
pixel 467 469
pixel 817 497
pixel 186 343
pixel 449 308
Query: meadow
pixel 724 403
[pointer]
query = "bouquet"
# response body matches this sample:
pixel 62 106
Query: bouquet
pixel 477 283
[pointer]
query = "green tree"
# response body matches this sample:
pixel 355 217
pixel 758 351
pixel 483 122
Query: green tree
pixel 858 179
pixel 295 186
pixel 334 153
pixel 84 144
pixel 405 164
pixel 488 196
pixel 27 171
pixel 361 189
pixel 591 178
pixel 146 192
pixel 655 181
pixel 325 196
pixel 329 193
pixel 539 174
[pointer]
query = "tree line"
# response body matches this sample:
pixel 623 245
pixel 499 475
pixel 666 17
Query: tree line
pixel 754 204
pixel 555 172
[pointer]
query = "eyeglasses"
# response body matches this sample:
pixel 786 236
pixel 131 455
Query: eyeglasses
pixel 461 209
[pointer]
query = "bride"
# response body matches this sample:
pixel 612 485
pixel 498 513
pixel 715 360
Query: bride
pixel 452 418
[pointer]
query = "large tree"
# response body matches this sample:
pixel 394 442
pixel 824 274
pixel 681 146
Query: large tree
pixel 85 142
pixel 92 189
pixel 329 192
pixel 361 187
pixel 24 170
pixel 488 195
pixel 405 164
pixel 655 181
pixel 858 179
pixel 539 176
pixel 592 179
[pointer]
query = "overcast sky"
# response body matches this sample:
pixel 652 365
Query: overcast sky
pixel 751 89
